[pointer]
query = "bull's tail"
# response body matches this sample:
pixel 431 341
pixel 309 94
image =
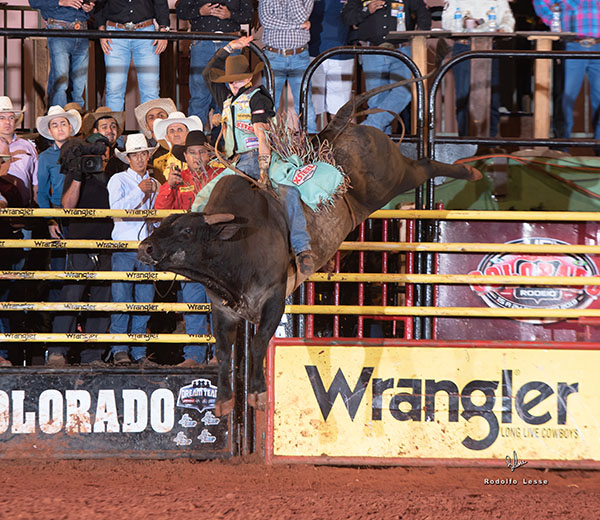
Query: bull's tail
pixel 344 115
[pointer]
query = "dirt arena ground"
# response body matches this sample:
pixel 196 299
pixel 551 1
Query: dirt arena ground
pixel 247 489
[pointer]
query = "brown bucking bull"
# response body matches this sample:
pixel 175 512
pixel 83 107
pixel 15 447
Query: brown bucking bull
pixel 239 246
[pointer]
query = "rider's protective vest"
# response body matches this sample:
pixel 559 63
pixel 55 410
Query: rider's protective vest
pixel 237 116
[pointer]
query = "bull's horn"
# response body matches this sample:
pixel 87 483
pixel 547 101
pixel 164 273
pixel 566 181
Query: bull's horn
pixel 218 218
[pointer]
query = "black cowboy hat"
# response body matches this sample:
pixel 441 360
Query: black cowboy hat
pixel 194 138
pixel 237 68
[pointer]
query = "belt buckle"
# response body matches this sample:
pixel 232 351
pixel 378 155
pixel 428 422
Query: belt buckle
pixel 129 26
pixel 77 26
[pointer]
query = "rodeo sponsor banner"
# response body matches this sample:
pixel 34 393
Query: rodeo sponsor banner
pixel 387 401
pixel 515 296
pixel 72 413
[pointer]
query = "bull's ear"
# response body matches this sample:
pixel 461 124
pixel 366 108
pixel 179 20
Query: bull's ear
pixel 225 231
pixel 217 218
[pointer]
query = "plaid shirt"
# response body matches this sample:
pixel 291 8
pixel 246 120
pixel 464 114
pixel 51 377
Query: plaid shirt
pixel 282 19
pixel 578 16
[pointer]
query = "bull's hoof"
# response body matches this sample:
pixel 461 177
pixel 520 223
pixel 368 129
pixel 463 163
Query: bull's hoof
pixel 223 408
pixel 474 173
pixel 258 401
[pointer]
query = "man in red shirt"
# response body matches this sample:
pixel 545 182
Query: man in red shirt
pixel 179 192
pixel 182 187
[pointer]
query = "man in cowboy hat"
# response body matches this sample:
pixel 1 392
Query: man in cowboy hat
pixel 110 124
pixel 24 159
pixel 68 56
pixel 58 125
pixel 148 112
pixel 174 130
pixel 247 112
pixel 179 192
pixel 133 188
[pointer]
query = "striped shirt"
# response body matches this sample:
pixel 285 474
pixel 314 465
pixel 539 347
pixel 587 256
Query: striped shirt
pixel 578 16
pixel 282 19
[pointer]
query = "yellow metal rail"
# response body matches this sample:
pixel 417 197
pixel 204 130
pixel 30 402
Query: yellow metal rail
pixel 77 337
pixel 529 216
pixel 309 309
pixel 451 247
pixel 104 307
pixel 456 279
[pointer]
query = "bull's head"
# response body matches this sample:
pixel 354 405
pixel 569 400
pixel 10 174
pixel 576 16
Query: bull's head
pixel 187 244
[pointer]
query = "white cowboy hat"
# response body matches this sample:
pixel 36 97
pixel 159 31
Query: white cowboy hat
pixel 135 143
pixel 161 125
pixel 141 110
pixel 42 122
pixel 7 106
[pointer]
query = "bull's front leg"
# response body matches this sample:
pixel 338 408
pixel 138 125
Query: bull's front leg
pixel 270 317
pixel 225 326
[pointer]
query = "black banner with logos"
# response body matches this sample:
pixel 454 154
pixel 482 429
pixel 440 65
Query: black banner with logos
pixel 89 413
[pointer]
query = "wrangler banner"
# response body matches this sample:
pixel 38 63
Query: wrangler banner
pixel 388 400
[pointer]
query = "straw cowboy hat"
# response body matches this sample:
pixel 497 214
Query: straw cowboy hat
pixel 6 106
pixel 101 112
pixel 135 143
pixel 141 110
pixel 237 68
pixel 161 125
pixel 54 112
pixel 194 138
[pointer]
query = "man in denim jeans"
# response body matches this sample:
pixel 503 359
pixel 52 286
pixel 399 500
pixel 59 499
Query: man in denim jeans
pixel 132 189
pixel 209 16
pixel 68 56
pixel 286 37
pixel 129 16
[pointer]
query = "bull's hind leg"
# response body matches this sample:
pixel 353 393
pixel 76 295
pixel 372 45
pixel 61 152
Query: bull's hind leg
pixel 225 326
pixel 269 320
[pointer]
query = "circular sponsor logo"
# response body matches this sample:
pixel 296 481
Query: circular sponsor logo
pixel 536 297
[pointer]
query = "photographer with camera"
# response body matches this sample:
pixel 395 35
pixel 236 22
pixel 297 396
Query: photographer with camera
pixel 83 164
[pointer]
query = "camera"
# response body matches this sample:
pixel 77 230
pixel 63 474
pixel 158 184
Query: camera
pixel 90 164
pixel 80 158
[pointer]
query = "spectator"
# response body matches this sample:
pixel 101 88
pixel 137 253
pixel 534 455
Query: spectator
pixel 286 35
pixel 11 198
pixel 110 124
pixel 84 190
pixel 581 17
pixel 247 113
pixel 462 71
pixel 148 112
pixel 332 81
pixel 174 130
pixel 24 164
pixel 179 192
pixel 132 189
pixel 373 21
pixel 132 15
pixel 209 16
pixel 57 126
pixel 68 56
